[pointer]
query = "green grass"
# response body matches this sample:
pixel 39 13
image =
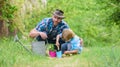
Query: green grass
pixel 14 55
pixel 89 19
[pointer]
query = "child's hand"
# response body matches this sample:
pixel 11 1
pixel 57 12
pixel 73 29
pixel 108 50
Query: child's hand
pixel 81 41
pixel 57 40
pixel 67 52
pixel 57 44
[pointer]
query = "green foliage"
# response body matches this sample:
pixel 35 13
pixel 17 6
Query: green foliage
pixel 8 11
pixel 7 14
pixel 115 16
pixel 51 48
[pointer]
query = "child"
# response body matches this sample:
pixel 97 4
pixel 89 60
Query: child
pixel 72 45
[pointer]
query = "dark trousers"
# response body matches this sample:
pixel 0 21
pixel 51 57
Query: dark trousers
pixel 65 47
pixel 50 41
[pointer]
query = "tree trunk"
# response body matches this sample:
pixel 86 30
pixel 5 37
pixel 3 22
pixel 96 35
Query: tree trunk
pixel 3 29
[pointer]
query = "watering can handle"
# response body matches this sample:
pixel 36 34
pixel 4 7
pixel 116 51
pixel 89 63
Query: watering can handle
pixel 34 39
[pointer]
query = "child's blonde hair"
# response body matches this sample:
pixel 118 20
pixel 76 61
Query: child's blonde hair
pixel 67 34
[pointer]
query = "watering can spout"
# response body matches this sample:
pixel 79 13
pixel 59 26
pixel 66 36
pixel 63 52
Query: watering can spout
pixel 16 38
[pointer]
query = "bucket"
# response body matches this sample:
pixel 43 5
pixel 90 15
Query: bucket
pixel 59 54
pixel 39 47
pixel 52 53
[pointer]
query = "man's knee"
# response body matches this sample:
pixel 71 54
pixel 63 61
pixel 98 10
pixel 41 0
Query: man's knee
pixel 39 38
pixel 43 35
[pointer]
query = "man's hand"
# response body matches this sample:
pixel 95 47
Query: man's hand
pixel 43 35
pixel 34 33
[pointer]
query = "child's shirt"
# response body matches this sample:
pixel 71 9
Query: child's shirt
pixel 75 44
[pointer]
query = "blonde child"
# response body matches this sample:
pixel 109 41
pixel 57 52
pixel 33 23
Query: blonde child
pixel 72 45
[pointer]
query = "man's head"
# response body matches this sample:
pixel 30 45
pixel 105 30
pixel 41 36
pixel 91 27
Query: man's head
pixel 58 15
pixel 67 34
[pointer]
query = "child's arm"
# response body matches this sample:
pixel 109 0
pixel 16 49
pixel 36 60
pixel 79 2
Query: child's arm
pixel 57 40
pixel 81 42
pixel 71 52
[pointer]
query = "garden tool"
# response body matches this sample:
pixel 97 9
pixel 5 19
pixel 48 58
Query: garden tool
pixel 16 39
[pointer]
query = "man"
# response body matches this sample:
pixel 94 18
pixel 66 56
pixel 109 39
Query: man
pixel 49 28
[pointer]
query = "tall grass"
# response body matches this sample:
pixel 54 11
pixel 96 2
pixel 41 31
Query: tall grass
pixel 12 54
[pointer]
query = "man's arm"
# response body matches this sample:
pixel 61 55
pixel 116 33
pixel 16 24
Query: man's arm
pixel 33 33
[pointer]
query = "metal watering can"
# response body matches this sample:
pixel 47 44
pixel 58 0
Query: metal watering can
pixel 38 47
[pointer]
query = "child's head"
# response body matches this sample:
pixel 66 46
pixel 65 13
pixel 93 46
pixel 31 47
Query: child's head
pixel 67 34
